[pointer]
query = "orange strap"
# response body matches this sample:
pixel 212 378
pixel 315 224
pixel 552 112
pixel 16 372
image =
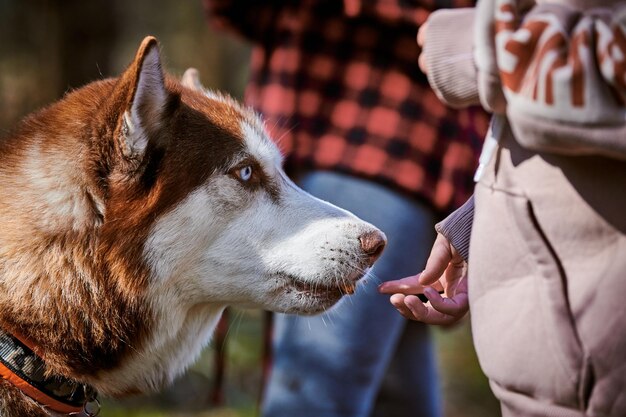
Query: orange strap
pixel 30 390
pixel 35 394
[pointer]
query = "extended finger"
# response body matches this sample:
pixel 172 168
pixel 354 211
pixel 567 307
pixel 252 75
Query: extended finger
pixel 408 285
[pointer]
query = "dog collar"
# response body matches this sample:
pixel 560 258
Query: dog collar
pixel 21 366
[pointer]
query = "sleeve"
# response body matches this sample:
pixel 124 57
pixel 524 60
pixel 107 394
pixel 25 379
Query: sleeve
pixel 449 59
pixel 562 71
pixel 457 227
pixel 250 19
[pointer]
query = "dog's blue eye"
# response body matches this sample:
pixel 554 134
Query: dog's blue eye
pixel 245 173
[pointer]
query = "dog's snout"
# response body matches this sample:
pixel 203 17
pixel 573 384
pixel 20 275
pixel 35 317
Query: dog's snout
pixel 372 244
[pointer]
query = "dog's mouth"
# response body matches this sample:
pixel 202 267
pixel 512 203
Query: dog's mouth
pixel 316 290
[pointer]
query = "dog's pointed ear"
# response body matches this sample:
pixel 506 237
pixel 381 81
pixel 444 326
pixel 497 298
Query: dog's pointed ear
pixel 147 100
pixel 191 80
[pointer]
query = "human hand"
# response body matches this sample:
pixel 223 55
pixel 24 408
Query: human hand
pixel 421 39
pixel 445 270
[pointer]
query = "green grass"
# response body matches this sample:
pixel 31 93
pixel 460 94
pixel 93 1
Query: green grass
pixel 466 391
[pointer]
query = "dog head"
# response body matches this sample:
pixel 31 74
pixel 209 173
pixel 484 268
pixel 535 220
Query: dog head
pixel 158 204
pixel 245 234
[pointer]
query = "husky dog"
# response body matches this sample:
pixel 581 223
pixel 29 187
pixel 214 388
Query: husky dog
pixel 132 212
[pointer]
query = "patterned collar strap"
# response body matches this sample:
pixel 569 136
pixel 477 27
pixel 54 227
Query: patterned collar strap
pixel 24 369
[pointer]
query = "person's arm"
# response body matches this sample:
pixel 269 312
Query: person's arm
pixel 447 56
pixel 457 228
pixel 446 269
pixel 251 19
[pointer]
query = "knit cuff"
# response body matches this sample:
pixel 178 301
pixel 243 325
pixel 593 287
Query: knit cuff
pixel 457 228
pixel 449 56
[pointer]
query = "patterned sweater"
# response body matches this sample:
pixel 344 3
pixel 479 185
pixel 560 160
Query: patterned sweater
pixel 339 86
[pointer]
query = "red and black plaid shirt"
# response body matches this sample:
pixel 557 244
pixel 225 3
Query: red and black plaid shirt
pixel 339 86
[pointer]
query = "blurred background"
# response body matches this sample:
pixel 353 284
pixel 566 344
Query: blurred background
pixel 50 47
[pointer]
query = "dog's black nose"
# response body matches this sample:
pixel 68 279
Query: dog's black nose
pixel 372 244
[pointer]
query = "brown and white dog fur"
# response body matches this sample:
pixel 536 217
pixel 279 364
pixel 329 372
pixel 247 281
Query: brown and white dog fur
pixel 134 210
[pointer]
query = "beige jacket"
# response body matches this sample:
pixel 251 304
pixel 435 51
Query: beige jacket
pixel 548 245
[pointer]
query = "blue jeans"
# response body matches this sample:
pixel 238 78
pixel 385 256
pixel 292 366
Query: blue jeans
pixel 361 358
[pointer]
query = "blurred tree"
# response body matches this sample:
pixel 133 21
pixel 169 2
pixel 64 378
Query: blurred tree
pixel 51 46
pixel 29 64
pixel 87 36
